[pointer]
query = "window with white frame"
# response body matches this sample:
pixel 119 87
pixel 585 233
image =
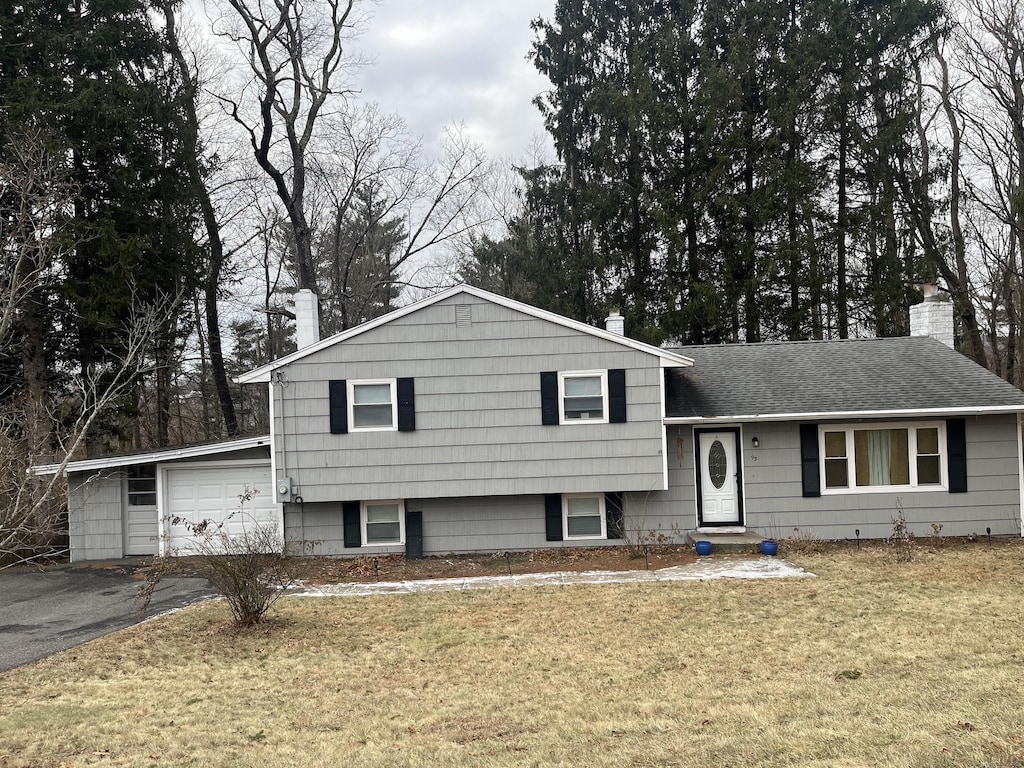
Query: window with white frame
pixel 383 522
pixel 873 457
pixel 372 405
pixel 583 396
pixel 583 516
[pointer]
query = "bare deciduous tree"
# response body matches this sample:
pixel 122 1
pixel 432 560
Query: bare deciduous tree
pixel 30 512
pixel 298 71
pixel 36 194
pixel 375 180
pixel 991 53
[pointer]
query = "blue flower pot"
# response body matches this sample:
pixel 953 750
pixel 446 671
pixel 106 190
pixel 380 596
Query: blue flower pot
pixel 703 548
pixel 770 548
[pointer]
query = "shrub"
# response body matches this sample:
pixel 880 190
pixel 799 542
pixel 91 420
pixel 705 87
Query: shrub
pixel 901 540
pixel 251 569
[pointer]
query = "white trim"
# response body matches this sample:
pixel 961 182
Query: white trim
pixel 602 375
pixel 668 359
pixel 912 456
pixel 274 476
pixel 1020 468
pixel 401 522
pixel 350 400
pixel 164 454
pixel 601 511
pixel 980 410
pixel 664 435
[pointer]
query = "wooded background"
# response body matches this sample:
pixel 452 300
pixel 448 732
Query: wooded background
pixel 723 171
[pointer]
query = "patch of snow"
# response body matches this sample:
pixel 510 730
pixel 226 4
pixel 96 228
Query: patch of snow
pixel 705 569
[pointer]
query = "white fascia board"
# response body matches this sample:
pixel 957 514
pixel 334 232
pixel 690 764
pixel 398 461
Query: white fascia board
pixel 165 454
pixel 668 359
pixel 844 415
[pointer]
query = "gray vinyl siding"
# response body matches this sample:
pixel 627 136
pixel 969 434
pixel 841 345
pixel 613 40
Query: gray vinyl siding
pixel 666 516
pixel 450 526
pixel 97 506
pixel 94 516
pixel 774 504
pixel 478 412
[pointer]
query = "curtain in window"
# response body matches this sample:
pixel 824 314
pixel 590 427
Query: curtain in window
pixel 879 456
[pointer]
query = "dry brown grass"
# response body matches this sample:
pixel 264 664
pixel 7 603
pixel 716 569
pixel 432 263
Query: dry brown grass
pixel 872 663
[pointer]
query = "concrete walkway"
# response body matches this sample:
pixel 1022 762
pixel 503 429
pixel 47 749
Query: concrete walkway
pixel 704 569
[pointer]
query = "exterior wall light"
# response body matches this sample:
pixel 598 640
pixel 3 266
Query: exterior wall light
pixel 755 442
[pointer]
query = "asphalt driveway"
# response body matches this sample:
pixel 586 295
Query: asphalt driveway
pixel 46 611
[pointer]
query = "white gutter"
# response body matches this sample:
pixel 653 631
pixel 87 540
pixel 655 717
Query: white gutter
pixel 1020 469
pixel 170 454
pixel 980 410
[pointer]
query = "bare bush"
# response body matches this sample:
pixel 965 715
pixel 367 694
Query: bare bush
pixel 901 540
pixel 251 569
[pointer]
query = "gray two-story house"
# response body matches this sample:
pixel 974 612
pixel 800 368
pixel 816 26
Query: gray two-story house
pixel 471 422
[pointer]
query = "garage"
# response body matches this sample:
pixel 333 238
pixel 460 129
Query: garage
pixel 121 505
pixel 214 491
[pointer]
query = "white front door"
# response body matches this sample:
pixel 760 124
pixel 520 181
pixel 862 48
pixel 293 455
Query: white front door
pixel 718 475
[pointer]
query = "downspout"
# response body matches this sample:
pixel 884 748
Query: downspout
pixel 1020 469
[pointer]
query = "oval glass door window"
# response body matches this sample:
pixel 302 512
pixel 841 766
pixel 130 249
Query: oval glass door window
pixel 717 463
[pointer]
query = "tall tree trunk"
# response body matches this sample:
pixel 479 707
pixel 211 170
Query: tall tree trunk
pixel 842 311
pixel 215 246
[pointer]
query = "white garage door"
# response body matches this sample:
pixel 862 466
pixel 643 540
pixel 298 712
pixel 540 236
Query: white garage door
pixel 198 493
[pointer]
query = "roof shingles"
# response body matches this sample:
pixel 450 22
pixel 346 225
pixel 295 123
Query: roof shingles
pixel 817 377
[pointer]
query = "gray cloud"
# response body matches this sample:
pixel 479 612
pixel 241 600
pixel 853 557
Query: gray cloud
pixel 462 61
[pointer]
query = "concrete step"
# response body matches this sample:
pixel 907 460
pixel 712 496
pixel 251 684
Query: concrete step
pixel 722 543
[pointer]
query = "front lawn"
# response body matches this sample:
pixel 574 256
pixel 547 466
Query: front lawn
pixel 871 663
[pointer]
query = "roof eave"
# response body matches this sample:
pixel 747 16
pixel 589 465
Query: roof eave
pixel 838 415
pixel 668 359
pixel 164 454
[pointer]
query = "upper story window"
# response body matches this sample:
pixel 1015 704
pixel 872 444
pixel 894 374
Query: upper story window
pixel 372 405
pixel 882 457
pixel 583 396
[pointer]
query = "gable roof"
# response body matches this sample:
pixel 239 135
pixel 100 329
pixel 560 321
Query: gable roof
pixel 669 358
pixel 833 379
pixel 159 454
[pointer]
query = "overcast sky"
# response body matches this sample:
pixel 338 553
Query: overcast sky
pixel 458 61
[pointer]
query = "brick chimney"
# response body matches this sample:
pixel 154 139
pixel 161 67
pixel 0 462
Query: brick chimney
pixel 933 316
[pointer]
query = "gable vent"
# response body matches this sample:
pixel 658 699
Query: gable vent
pixel 463 315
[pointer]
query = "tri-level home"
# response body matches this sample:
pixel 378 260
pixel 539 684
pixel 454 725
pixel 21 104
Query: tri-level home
pixel 471 422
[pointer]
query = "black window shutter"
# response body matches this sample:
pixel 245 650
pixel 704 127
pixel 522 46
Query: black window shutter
pixel 613 515
pixel 956 450
pixel 553 516
pixel 809 460
pixel 617 395
pixel 339 407
pixel 414 535
pixel 406 405
pixel 549 398
pixel 350 515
